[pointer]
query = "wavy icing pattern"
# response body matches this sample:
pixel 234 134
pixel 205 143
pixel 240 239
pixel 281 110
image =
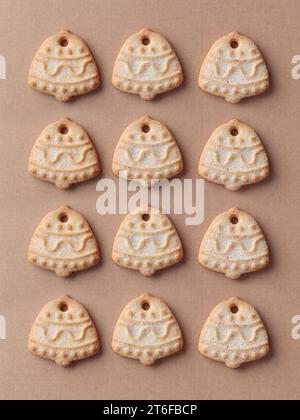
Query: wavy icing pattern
pixel 76 160
pixel 238 68
pixel 144 241
pixel 148 153
pixel 60 243
pixel 67 66
pixel 149 330
pixel 77 338
pixel 237 332
pixel 236 156
pixel 144 65
pixel 233 244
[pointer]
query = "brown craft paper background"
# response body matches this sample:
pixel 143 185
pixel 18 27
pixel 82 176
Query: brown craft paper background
pixel 190 290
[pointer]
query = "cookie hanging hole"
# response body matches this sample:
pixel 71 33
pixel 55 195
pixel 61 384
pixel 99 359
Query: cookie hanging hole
pixel 234 132
pixel 146 129
pixel 234 220
pixel 63 307
pixel 63 42
pixel 145 306
pixel 146 217
pixel 63 218
pixel 234 309
pixel 63 130
pixel 234 44
pixel 146 41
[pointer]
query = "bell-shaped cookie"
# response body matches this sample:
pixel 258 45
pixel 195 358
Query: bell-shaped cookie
pixel 234 245
pixel 147 152
pixel 147 331
pixel 147 241
pixel 64 243
pixel 147 66
pixel 234 69
pixel 64 332
pixel 64 67
pixel 234 156
pixel 64 155
pixel 234 334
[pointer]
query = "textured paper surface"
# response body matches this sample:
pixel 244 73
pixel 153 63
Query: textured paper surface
pixel 190 290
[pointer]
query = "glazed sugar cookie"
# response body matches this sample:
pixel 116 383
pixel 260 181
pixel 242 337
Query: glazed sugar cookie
pixel 234 245
pixel 64 243
pixel 147 66
pixel 64 67
pixel 64 332
pixel 147 241
pixel 64 155
pixel 147 151
pixel 234 69
pixel 234 156
pixel 147 331
pixel 234 334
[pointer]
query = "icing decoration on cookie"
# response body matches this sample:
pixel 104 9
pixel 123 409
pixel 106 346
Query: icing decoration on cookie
pixel 147 242
pixel 64 67
pixel 234 156
pixel 147 151
pixel 147 331
pixel 234 245
pixel 234 334
pixel 64 155
pixel 234 69
pixel 64 243
pixel 147 66
pixel 64 332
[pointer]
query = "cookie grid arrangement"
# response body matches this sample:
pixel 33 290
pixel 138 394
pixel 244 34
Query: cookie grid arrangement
pixel 147 241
